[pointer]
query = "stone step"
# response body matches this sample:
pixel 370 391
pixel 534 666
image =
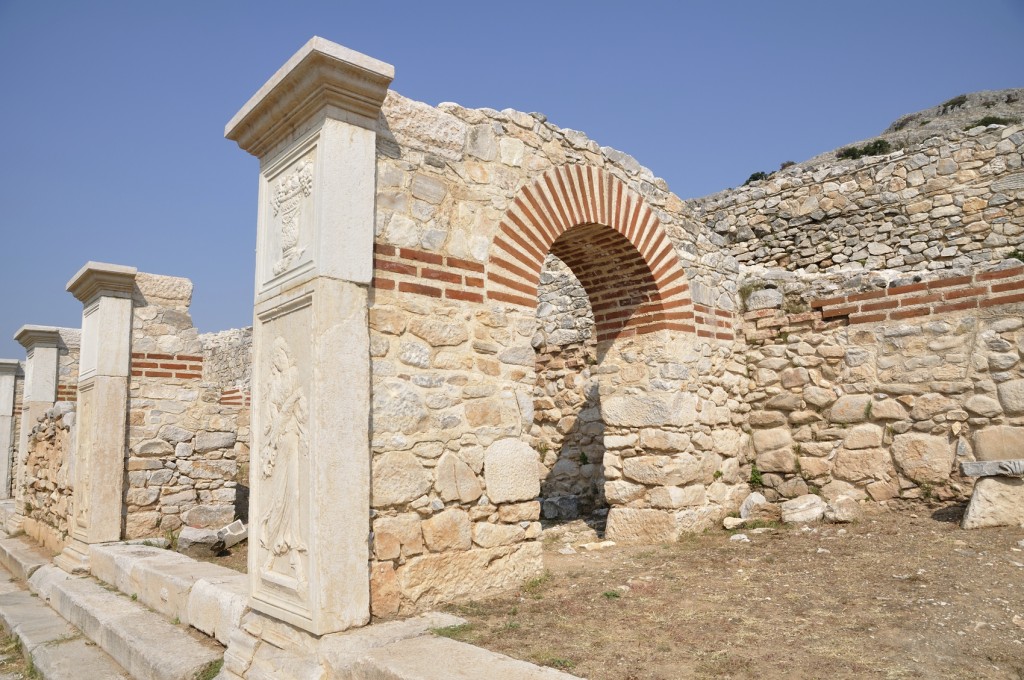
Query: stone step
pixel 435 658
pixel 147 645
pixel 57 649
pixel 21 558
pixel 207 596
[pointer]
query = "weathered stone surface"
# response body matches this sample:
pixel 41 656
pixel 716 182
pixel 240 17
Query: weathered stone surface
pixel 456 576
pixel 448 530
pixel 766 419
pixel 767 440
pixel 510 471
pixel 818 396
pixel 209 516
pixel 809 508
pixel 635 525
pixel 674 497
pixel 777 460
pixel 752 501
pixel 398 477
pixel 519 512
pixel 456 480
pixel 660 440
pixel 842 509
pixel 996 502
pixel 765 298
pixel 155 448
pixel 860 465
pixel 620 492
pixel 439 333
pixel 211 441
pixel 398 536
pixel 923 458
pixel 198 543
pixel 649 410
pixel 863 437
pixel 851 408
pixel 385 591
pixel 1011 396
pixel 487 535
pixel 397 408
pixel 661 470
pixel 888 409
pixel 999 442
pixel 983 406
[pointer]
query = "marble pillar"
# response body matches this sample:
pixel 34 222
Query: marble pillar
pixel 9 369
pixel 313 127
pixel 105 291
pixel 41 356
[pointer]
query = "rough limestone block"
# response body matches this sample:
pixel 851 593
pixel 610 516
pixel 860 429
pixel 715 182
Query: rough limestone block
pixel 113 562
pixel 637 525
pixel 398 478
pixel 923 458
pixel 216 605
pixel 850 408
pixel 164 585
pixel 808 508
pixel 996 502
pixel 842 509
pixel 864 436
pixel 999 442
pixel 767 440
pixel 455 576
pixel 648 410
pixel 1011 396
pixel 510 471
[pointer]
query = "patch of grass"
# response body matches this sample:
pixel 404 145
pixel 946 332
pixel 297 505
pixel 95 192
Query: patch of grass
pixel 756 479
pixel 762 524
pixel 873 148
pixel 535 586
pixel 135 597
pixel 786 164
pixel 991 120
pixel 1016 255
pixel 611 594
pixel 210 671
pixel 457 632
pixel 794 304
pixel 954 103
pixel 747 289
pixel 717 475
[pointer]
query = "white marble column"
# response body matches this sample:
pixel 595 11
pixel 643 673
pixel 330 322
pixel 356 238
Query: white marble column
pixel 8 371
pixel 41 353
pixel 313 127
pixel 105 291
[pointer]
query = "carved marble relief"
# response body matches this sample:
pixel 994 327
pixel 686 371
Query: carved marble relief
pixel 285 441
pixel 287 202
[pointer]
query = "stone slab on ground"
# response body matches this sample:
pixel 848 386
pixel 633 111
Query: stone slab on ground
pixel 436 658
pixel 216 605
pixel 995 502
pixel 57 649
pixel 145 644
pixel 21 558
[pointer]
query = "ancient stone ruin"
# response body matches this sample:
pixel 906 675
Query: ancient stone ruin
pixel 467 321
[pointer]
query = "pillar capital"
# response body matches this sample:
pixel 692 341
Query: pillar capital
pixel 98 279
pixel 321 77
pixel 31 336
pixel 9 366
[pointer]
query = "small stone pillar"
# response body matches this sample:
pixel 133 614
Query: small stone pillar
pixel 41 354
pixel 105 291
pixel 313 127
pixel 8 371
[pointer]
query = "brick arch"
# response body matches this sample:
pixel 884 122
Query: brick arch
pixel 611 239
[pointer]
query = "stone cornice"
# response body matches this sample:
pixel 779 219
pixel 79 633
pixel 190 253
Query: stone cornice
pixel 29 336
pixel 321 74
pixel 97 279
pixel 9 366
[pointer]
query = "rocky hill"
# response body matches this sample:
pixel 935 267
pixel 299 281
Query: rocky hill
pixel 952 115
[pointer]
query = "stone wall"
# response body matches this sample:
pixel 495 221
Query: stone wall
pixel 880 387
pixel 68 351
pixel 948 202
pixel 50 478
pixel 184 447
pixel 466 210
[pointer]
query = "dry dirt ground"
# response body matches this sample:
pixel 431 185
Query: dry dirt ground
pixel 900 594
pixel 12 663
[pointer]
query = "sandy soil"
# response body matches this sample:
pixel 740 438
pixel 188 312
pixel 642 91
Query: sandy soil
pixel 900 594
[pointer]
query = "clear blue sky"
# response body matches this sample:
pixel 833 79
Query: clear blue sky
pixel 113 113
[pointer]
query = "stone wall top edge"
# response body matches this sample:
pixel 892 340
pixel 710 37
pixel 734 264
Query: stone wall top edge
pixel 534 121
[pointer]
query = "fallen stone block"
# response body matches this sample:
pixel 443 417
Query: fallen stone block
pixel 198 543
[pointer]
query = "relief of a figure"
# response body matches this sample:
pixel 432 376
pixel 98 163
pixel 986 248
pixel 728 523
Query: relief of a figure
pixel 284 442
